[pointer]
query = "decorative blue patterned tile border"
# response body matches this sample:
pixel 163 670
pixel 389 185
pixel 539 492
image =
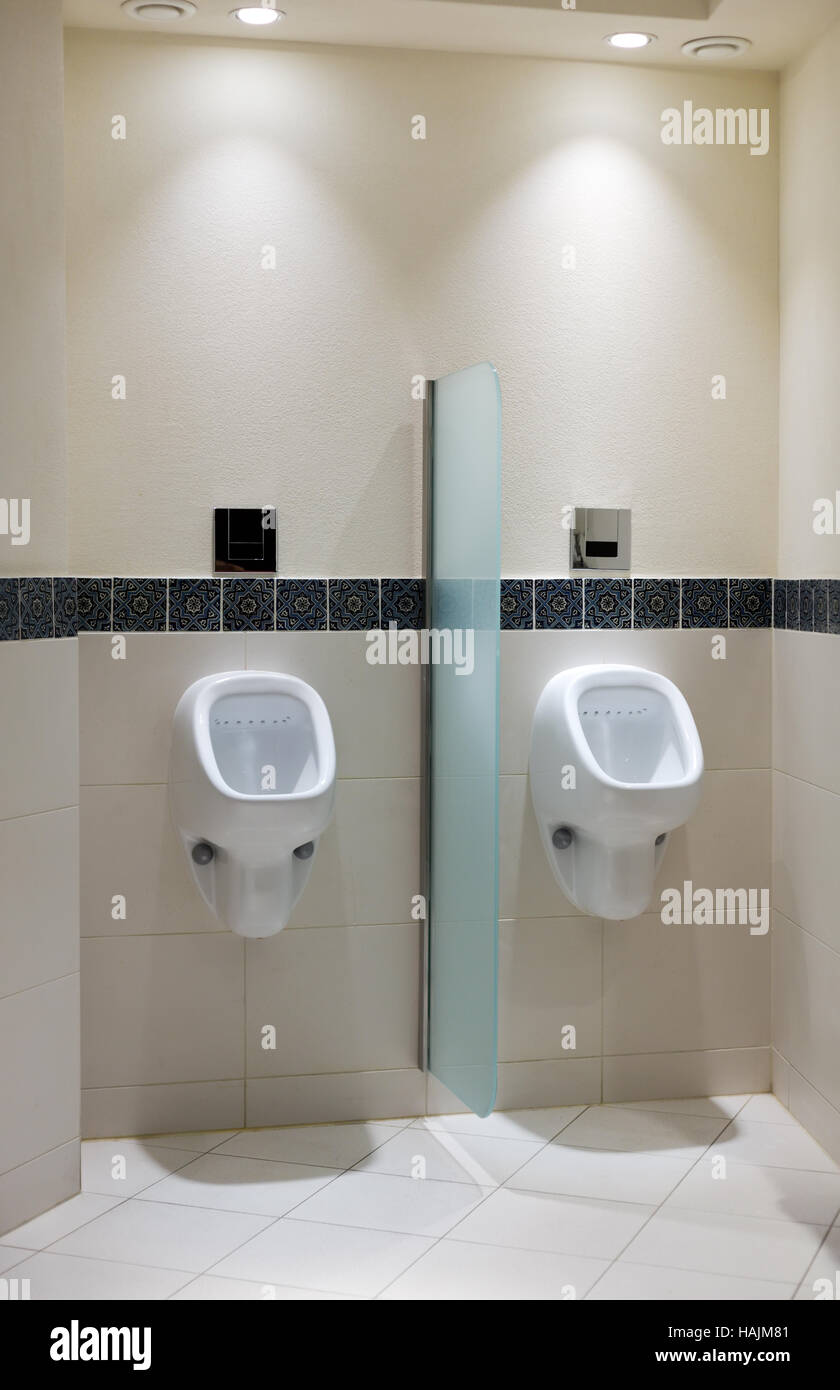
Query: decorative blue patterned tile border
pixel 9 609
pixel 558 603
pixel 705 602
pixel 195 605
pixel 608 603
pixel 65 607
pixel 516 603
pixel 32 608
pixel 403 601
pixel 140 605
pixel 36 608
pixel 248 604
pixel 656 603
pixel 301 605
pixel 834 605
pixel 354 604
pixel 750 603
pixel 613 603
pixel 93 600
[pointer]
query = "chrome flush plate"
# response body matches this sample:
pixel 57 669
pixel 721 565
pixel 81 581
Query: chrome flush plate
pixel 600 539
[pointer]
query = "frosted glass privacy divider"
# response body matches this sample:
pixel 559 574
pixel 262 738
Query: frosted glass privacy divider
pixel 463 525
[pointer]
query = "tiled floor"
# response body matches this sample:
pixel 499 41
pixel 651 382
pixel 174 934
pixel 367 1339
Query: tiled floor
pixel 726 1198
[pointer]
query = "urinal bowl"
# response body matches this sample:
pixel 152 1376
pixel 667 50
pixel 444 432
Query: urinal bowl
pixel 252 787
pixel 616 764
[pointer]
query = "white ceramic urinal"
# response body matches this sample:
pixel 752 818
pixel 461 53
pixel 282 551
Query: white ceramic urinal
pixel 616 764
pixel 252 785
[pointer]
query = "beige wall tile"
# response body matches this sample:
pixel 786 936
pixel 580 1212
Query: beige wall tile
pixel 168 1109
pixel 730 700
pixel 806 865
pixel 684 988
pixel 39 922
pixel 303 1100
pixel 528 662
pixel 39 711
pixel 39 1092
pixel 162 1009
pixel 527 887
pixel 673 1075
pixel 806 1018
pixel 781 1070
pixel 367 868
pixel 375 710
pixel 127 706
pixel 806 667
pixel 524 1085
pixel 340 998
pixel 818 1115
pixel 549 980
pixel 726 844
pixel 129 846
pixel 41 1183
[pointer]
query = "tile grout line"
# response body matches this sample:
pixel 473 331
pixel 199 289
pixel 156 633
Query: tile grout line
pixel 659 1206
pixel 447 1234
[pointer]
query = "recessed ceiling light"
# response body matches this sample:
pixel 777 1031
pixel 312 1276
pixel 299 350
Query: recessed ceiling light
pixel 630 40
pixel 258 14
pixel 159 11
pixel 716 47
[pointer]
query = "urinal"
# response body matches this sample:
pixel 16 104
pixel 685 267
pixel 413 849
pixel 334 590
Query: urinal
pixel 616 764
pixel 252 786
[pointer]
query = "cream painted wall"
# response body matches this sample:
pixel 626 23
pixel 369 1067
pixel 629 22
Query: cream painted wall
pixel 809 440
pixel 32 387
pixel 397 257
pixel 806 793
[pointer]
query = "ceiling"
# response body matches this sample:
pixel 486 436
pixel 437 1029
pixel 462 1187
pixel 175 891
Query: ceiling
pixel 780 29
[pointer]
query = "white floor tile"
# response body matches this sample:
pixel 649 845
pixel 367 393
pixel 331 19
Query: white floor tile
pixel 11 1255
pixel 710 1106
pixel 143 1164
pixel 228 1183
pixel 338 1259
pixel 200 1141
pixel 381 1202
pixel 332 1146
pixel 569 1225
pixel 615 1175
pixel 154 1233
pixel 624 1280
pixel 59 1221
pixel 207 1288
pixel 506 1124
pixel 766 1109
pixel 777 1194
pixel 718 1243
pixel 671 1134
pixel 469 1158
pixel 61 1277
pixel 822 1278
pixel 773 1146
pixel 581 1188
pixel 454 1270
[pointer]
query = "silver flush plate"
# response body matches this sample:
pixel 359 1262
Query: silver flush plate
pixel 600 539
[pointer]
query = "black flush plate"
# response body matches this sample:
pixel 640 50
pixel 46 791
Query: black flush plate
pixel 244 540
